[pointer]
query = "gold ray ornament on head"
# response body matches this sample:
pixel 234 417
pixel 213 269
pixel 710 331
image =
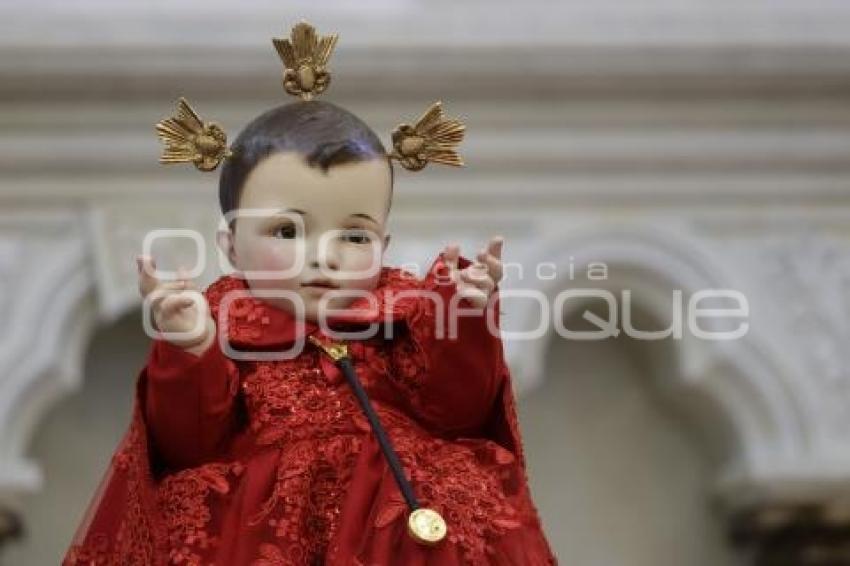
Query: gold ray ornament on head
pixel 188 139
pixel 432 138
pixel 305 56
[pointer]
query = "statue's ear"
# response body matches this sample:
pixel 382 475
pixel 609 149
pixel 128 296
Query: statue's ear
pixel 224 239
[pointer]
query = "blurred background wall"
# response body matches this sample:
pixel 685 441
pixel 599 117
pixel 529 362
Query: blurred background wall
pixel 685 144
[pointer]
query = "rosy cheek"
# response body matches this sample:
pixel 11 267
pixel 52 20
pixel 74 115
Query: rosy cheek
pixel 367 267
pixel 276 259
pixel 273 256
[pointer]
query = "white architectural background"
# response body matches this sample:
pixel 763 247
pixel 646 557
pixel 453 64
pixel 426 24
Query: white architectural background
pixel 686 144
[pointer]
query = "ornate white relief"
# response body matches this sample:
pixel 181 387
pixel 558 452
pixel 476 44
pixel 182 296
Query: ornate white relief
pixel 808 277
pixel 46 283
pixel 774 413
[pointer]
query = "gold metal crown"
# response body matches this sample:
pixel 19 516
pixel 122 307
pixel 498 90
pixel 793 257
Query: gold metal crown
pixel 188 139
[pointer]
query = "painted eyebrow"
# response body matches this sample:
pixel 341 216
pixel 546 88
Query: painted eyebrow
pixel 366 216
pixel 295 210
pixel 302 213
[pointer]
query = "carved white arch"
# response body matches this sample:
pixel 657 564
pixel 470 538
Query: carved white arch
pixel 741 385
pixel 50 314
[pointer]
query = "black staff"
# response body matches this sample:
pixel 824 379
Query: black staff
pixel 424 525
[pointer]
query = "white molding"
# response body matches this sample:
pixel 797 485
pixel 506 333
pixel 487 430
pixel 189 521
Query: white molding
pixel 50 316
pixel 543 151
pixel 407 22
pixel 104 72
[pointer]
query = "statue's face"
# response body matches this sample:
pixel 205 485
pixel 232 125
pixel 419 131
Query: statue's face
pixel 307 231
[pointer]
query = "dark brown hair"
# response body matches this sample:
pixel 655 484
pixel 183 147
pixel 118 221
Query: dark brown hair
pixel 323 133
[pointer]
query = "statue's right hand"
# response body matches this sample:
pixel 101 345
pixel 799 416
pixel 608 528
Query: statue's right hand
pixel 176 306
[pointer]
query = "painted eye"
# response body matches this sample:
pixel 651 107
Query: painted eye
pixel 285 231
pixel 356 236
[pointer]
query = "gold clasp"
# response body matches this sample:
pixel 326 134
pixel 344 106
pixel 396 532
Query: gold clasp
pixel 335 350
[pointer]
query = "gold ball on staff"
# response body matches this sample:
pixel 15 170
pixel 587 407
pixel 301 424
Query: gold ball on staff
pixel 426 526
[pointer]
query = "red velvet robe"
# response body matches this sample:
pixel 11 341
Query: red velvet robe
pixel 271 463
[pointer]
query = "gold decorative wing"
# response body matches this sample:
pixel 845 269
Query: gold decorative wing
pixel 188 139
pixel 305 56
pixel 432 138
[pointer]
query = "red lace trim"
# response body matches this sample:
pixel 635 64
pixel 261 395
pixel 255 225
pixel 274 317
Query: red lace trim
pixel 183 499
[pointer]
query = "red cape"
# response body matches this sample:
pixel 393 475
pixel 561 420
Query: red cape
pixel 270 463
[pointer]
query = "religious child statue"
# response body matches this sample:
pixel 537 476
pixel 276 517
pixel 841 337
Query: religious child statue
pixel 316 406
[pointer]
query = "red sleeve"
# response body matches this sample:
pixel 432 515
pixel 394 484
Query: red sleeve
pixel 189 402
pixel 453 381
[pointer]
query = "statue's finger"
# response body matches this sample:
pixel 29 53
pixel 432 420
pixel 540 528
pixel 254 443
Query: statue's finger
pixel 147 278
pixel 173 304
pixel 495 247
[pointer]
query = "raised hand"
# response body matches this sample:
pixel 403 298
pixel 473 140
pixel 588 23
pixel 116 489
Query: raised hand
pixel 477 281
pixel 177 306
